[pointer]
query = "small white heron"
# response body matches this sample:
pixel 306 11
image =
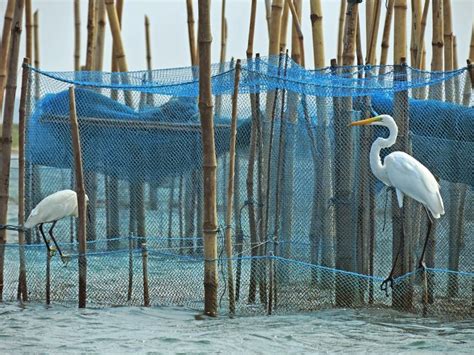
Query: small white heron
pixel 407 175
pixel 52 208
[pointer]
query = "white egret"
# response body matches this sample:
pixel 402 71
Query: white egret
pixel 407 175
pixel 52 208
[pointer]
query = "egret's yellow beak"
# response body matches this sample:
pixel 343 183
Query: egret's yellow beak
pixel 366 121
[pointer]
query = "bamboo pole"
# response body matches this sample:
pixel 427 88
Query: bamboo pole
pixel 340 32
pixel 254 104
pixel 29 28
pixel 4 51
pixel 81 200
pixel 209 227
pixel 91 35
pixel 22 284
pixel 275 27
pixel 296 22
pixel 268 16
pixel 191 34
pixel 119 51
pixel 420 46
pixel 77 35
pixel 284 27
pixel 218 103
pixel 369 18
pixel 448 47
pixel 416 13
pixel 436 91
pixel 399 31
pixel 146 293
pixel 343 179
pixel 7 128
pixel 295 46
pixel 101 23
pixel 230 192
pixel 148 43
pixel 386 32
pixel 119 9
pixel 359 50
pixel 374 30
pixel 36 41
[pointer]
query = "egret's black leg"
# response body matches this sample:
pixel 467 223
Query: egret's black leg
pixel 44 237
pixel 421 262
pixel 388 282
pixel 54 240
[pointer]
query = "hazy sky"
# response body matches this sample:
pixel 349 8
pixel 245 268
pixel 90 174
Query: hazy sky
pixel 169 31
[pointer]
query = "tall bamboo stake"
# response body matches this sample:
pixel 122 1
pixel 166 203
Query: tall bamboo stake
pixel 386 32
pixel 369 18
pixel 448 47
pixel 359 49
pixel 22 284
pixel 146 294
pixel 340 32
pixel 374 30
pixel 436 91
pixel 297 25
pixel 420 46
pixel 343 178
pixel 81 199
pixel 36 41
pixel 119 9
pixel 4 54
pixel 254 104
pixel 29 28
pixel 191 34
pixel 268 16
pixel 148 43
pixel 218 104
pixel 116 35
pixel 101 23
pixel 230 192
pixel 209 227
pixel 7 128
pixel 77 35
pixel 91 35
pixel 295 46
pixel 415 29
pixel 284 27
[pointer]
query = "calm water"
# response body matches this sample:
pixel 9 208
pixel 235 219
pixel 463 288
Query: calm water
pixel 59 329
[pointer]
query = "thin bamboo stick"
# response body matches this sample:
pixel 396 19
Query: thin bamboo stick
pixel 36 40
pixel 77 35
pixel 416 13
pixel 116 35
pixel 295 46
pixel 191 34
pixel 284 28
pixel 230 192
pixel 146 293
pixel 209 227
pixel 81 200
pixel 420 46
pixel 386 32
pixel 91 31
pixel 471 46
pixel 268 16
pixel 29 28
pixel 340 32
pixel 448 47
pixel 101 23
pixel 148 43
pixel 374 30
pixel 4 51
pixel 299 31
pixel 7 128
pixel 436 91
pixel 218 103
pixel 22 284
pixel 359 50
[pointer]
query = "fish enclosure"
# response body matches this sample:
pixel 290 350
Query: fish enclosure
pixel 312 228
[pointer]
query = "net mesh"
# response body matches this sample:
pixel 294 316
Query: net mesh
pixel 312 226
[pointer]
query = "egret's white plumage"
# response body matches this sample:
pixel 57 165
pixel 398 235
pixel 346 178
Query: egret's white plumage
pixel 54 207
pixel 400 170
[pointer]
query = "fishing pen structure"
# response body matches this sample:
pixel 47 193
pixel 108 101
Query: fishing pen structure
pixel 142 161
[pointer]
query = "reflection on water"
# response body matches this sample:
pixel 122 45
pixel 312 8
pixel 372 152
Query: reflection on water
pixel 35 328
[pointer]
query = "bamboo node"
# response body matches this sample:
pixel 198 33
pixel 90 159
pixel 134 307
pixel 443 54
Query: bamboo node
pixel 315 17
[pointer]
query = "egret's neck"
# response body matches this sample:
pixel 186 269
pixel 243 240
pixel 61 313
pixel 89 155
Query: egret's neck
pixel 375 162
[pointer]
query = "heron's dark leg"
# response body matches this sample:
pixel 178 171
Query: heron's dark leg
pixel 388 282
pixel 44 237
pixel 54 240
pixel 421 261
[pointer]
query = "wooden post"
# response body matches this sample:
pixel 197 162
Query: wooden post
pixel 4 49
pixel 81 201
pixel 101 23
pixel 170 213
pixel 448 48
pixel 436 91
pixel 374 30
pixel 91 35
pixel 415 29
pixel 209 160
pixel 284 27
pixel 48 277
pixel 268 16
pixel 191 34
pixel 7 128
pixel 131 248
pixel 22 284
pixel 230 192
pixel 77 35
pixel 218 104
pixel 116 35
pixel 29 29
pixel 386 32
pixel 340 32
pixel 146 295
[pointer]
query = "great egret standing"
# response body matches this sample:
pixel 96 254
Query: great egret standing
pixel 52 208
pixel 407 175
